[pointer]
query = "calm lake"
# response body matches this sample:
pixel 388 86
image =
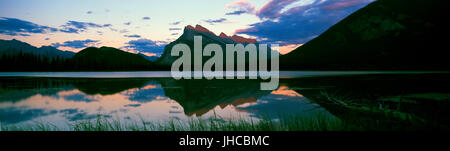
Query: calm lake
pixel 371 100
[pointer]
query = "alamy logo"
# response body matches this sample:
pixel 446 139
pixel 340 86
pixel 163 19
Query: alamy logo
pixel 255 59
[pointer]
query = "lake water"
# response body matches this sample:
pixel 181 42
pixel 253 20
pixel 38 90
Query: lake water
pixel 397 100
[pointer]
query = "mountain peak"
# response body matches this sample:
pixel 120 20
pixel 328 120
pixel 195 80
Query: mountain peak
pixel 223 35
pixel 15 46
pixel 200 29
pixel 236 38
pixel 189 27
pixel 241 39
pixel 17 41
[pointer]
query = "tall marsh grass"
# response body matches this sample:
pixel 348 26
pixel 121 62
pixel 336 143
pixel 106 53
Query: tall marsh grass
pixel 281 123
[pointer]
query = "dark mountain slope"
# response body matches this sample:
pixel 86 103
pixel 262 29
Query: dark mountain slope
pixel 14 47
pixel 386 34
pixel 107 58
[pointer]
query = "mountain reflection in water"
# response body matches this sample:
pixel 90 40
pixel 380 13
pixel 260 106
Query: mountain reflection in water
pixel 60 100
pixel 372 101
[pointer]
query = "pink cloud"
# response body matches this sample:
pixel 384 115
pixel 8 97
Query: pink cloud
pixel 239 3
pixel 242 6
pixel 245 30
pixel 272 9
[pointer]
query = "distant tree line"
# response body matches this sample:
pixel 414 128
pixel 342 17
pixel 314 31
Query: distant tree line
pixel 31 62
pixel 23 61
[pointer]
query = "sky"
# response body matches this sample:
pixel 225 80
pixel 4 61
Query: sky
pixel 146 26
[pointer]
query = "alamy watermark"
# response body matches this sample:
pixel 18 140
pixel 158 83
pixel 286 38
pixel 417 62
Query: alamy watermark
pixel 257 62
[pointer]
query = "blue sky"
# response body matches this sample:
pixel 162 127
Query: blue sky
pixel 147 25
